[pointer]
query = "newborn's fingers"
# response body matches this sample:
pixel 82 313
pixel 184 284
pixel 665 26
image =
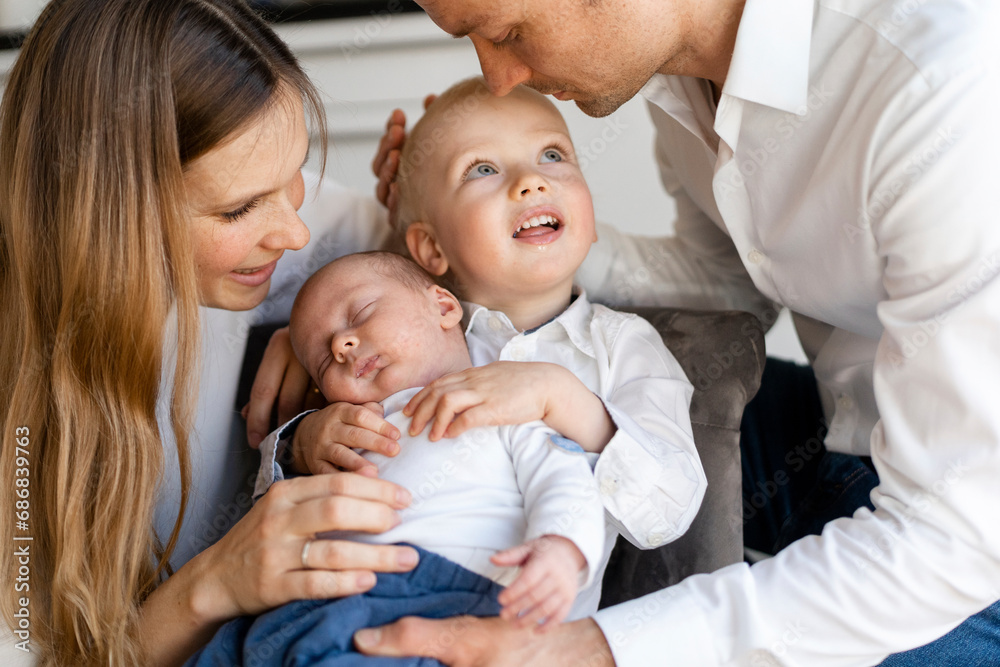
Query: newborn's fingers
pixel 550 609
pixel 528 585
pixel 511 557
pixel 345 458
pixel 521 608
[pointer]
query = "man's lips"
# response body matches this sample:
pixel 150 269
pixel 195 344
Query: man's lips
pixel 254 277
pixel 365 366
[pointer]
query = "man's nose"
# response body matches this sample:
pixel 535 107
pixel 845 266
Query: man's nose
pixel 502 70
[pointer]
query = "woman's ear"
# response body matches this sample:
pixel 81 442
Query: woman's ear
pixel 447 304
pixel 424 248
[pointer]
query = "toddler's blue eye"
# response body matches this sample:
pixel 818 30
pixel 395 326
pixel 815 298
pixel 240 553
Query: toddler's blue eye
pixel 481 170
pixel 551 155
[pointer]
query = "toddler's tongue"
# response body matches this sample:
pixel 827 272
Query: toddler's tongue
pixel 540 230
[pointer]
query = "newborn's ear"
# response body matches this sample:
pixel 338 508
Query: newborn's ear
pixel 424 248
pixel 447 304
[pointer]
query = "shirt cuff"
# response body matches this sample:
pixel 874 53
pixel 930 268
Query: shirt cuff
pixel 652 493
pixel 664 627
pixel 274 459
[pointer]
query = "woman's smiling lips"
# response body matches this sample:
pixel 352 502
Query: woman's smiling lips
pixel 254 277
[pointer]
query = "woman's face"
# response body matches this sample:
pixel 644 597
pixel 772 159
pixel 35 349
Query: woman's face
pixel 244 197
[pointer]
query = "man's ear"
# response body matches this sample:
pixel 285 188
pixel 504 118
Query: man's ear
pixel 447 304
pixel 424 248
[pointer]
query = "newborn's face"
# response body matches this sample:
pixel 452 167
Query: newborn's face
pixel 364 337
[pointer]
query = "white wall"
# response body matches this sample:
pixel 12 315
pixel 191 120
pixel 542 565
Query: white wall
pixel 18 14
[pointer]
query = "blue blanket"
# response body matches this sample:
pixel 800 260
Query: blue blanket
pixel 320 632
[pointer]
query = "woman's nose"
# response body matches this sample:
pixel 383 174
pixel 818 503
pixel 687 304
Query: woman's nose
pixel 287 233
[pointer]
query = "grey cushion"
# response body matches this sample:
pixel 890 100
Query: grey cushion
pixel 723 356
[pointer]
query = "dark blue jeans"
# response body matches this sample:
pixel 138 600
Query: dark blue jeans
pixel 792 487
pixel 320 632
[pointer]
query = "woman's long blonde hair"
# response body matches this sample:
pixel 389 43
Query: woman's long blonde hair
pixel 107 103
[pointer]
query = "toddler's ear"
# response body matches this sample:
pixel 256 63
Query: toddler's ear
pixel 448 305
pixel 424 248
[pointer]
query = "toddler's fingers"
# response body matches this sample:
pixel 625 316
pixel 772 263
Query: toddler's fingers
pixel 473 417
pixel 451 405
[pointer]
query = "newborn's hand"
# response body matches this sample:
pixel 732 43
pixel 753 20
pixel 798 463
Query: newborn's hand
pixel 544 591
pixel 325 441
pixel 504 392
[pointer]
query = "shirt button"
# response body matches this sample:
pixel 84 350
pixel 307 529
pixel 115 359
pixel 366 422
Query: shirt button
pixel 495 323
pixel 755 256
pixel 656 539
pixel 608 486
pixel 517 354
pixel 845 402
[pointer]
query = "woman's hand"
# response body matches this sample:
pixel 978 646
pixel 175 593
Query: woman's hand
pixel 259 564
pixel 280 377
pixel 511 392
pixel 324 441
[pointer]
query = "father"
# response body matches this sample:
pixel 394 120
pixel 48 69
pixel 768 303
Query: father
pixel 838 156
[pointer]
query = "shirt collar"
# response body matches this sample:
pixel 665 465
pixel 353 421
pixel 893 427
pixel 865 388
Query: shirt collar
pixel 770 63
pixel 574 321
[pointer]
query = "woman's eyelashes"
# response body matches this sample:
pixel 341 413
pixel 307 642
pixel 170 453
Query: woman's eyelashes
pixel 242 211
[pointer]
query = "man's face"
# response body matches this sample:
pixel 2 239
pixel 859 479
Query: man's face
pixel 598 54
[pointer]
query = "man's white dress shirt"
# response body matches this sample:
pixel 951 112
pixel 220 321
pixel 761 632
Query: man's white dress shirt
pixel 489 489
pixel 650 476
pixel 849 174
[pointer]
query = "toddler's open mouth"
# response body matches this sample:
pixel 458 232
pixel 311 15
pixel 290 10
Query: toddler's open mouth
pixel 537 225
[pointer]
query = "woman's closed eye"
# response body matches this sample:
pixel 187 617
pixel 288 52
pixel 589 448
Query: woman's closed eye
pixel 479 170
pixel 239 213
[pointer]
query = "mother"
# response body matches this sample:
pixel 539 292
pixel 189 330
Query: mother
pixel 150 163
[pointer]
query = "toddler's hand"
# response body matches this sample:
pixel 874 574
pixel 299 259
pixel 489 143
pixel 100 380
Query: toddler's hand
pixel 504 392
pixel 548 583
pixel 324 441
